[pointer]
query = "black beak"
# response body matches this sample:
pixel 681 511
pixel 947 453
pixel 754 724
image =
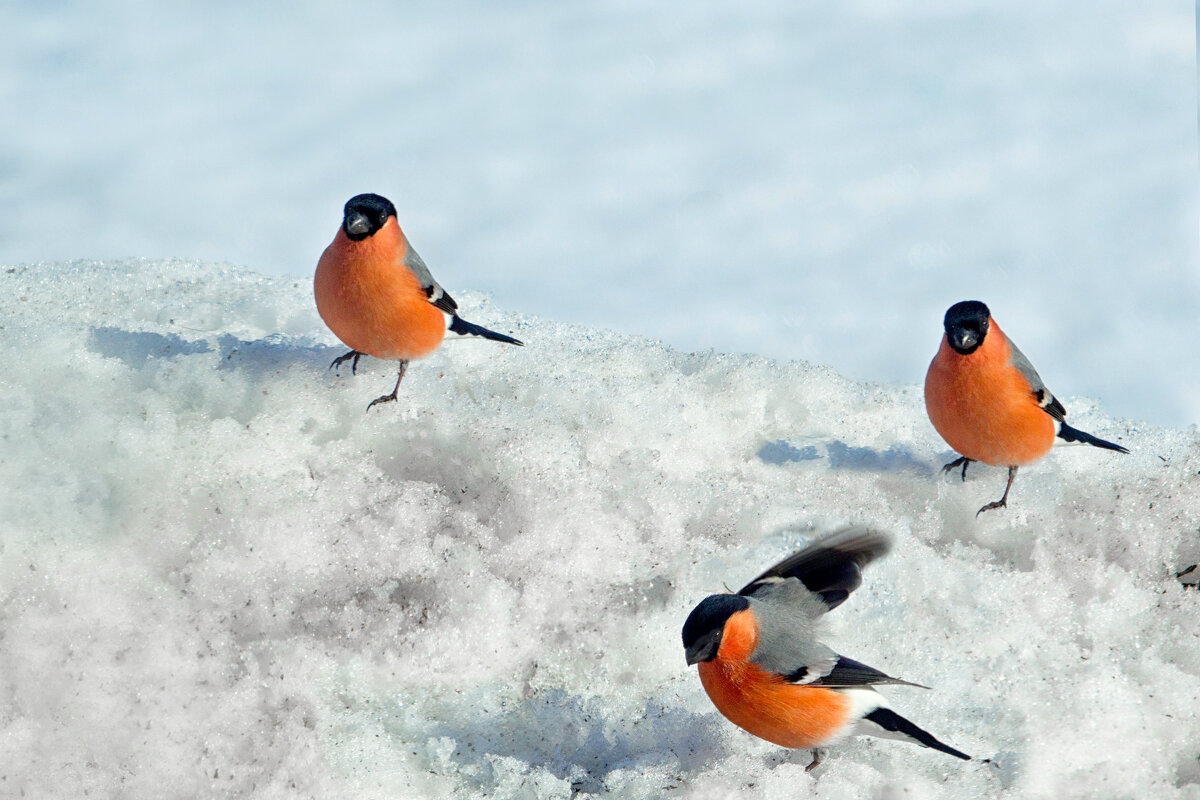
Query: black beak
pixel 704 649
pixel 357 223
pixel 964 339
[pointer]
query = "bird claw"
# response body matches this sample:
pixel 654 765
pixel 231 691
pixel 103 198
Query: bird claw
pixel 1001 503
pixel 816 760
pixel 337 362
pixel 387 398
pixel 963 460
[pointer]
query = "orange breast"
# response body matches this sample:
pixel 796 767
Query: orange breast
pixel 763 703
pixel 983 406
pixel 372 302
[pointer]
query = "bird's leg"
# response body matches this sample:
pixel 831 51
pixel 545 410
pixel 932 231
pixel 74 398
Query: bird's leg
pixel 1003 501
pixel 387 398
pixel 353 365
pixel 817 754
pixel 960 460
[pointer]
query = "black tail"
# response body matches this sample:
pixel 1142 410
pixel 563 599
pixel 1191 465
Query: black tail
pixel 1069 434
pixel 891 721
pixel 464 328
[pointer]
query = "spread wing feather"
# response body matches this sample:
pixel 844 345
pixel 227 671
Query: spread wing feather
pixel 830 566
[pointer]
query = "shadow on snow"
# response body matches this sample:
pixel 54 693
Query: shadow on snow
pixel 842 456
pixel 579 740
pixel 137 348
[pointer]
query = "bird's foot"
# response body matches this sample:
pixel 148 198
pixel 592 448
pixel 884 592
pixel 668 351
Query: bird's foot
pixel 1001 503
pixel 817 755
pixel 962 460
pixel 337 362
pixel 387 398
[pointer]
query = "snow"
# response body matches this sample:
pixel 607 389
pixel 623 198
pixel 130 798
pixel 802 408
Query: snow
pixel 815 180
pixel 220 576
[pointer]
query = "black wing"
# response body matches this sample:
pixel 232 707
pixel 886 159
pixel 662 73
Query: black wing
pixel 433 290
pixel 831 566
pixel 1050 404
pixel 1045 398
pixel 445 302
pixel 848 672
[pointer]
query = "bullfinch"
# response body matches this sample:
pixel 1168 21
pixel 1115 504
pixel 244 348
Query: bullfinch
pixel 764 670
pixel 988 402
pixel 377 296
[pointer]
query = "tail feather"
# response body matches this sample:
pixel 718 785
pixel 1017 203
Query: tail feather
pixel 463 328
pixel 893 723
pixel 1069 434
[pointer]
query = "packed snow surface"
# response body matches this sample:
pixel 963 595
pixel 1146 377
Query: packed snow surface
pixel 812 180
pixel 220 576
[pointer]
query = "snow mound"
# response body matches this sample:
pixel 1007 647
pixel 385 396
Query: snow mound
pixel 220 576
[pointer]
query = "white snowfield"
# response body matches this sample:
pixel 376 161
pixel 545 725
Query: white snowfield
pixel 220 576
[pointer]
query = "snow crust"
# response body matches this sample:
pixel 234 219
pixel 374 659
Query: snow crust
pixel 219 576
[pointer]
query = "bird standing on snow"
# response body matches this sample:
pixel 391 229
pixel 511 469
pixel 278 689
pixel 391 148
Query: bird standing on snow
pixel 764 670
pixel 988 402
pixel 377 296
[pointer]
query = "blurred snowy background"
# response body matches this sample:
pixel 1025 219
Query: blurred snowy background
pixel 815 180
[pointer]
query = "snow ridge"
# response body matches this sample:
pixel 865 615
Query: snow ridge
pixel 218 575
